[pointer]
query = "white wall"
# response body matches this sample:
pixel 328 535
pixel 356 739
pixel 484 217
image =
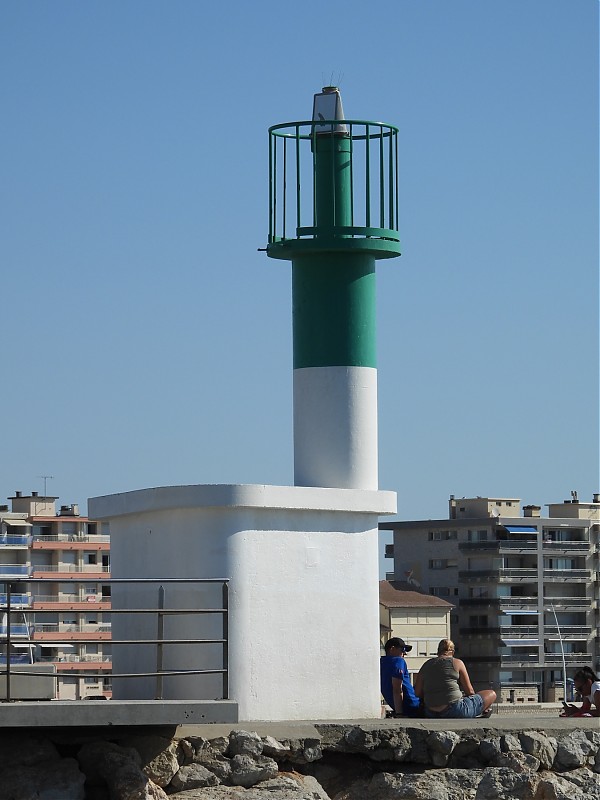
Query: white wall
pixel 303 570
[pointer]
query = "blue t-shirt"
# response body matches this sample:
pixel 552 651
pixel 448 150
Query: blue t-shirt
pixel 395 667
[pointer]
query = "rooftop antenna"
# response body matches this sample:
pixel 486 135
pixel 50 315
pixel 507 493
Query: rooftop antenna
pixel 46 478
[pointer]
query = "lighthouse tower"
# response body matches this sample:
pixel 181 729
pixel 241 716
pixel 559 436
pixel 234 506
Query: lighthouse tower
pixel 300 563
pixel 342 177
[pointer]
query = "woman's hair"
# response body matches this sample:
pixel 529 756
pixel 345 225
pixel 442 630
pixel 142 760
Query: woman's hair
pixel 445 646
pixel 584 674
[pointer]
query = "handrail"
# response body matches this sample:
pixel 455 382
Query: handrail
pixel 162 644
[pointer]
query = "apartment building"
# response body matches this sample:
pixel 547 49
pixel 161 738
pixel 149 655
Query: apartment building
pixel 53 571
pixel 525 588
pixel 418 618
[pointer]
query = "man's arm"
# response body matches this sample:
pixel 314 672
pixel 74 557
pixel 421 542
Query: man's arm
pixel 418 685
pixel 398 694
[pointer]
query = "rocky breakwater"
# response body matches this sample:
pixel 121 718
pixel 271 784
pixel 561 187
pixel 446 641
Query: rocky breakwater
pixel 341 762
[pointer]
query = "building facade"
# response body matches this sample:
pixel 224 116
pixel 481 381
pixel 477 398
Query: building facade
pixel 525 588
pixel 418 618
pixel 53 571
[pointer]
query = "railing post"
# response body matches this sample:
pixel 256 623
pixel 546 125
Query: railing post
pixel 225 640
pixel 8 644
pixel 159 644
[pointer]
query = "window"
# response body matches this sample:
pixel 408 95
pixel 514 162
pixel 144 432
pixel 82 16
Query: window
pixel 478 621
pixel 91 558
pixel 441 536
pixel 442 563
pixel 439 591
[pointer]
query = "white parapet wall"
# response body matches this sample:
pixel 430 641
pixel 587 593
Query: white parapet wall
pixel 302 565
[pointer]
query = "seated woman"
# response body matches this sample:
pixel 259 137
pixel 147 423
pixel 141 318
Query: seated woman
pixel 587 684
pixel 441 682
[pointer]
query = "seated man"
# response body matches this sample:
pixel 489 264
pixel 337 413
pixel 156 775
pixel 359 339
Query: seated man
pixel 395 680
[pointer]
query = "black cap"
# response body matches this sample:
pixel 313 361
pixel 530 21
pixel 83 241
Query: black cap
pixel 395 641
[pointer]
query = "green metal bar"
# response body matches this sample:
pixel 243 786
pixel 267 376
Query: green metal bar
pixel 391 184
pixel 314 165
pixel 275 193
pixel 298 221
pixel 309 123
pixel 284 188
pixel 368 180
pixel 271 231
pixel 381 181
pixel 397 183
pixel 351 175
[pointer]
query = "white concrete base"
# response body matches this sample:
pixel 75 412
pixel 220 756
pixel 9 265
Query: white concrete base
pixel 303 570
pixel 335 427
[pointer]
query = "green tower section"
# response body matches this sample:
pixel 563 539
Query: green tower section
pixel 341 176
pixel 334 310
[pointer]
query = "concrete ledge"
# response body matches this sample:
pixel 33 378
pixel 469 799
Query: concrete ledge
pixel 360 501
pixel 127 713
pixel 547 721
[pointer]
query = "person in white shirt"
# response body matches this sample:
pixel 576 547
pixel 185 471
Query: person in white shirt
pixel 587 684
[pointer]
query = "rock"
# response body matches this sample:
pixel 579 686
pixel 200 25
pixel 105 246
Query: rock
pixel 243 743
pixel 556 787
pixel 93 758
pixel 431 784
pixel 466 753
pixel 287 786
pixel 508 742
pixel 303 751
pixel 59 779
pixel 15 750
pixel 490 751
pixel 119 767
pixel 543 747
pixel 187 751
pixel 216 763
pixel 504 784
pixel 193 776
pixel 441 744
pixel 159 756
pixel 274 749
pixel 573 751
pixel 517 762
pixel 247 771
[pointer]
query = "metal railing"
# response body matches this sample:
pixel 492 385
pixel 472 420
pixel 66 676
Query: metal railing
pixel 159 611
pixel 14 540
pixel 302 169
pixel 72 537
pixel 70 568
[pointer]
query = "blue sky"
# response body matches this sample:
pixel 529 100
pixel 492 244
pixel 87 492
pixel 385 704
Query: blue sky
pixel 146 341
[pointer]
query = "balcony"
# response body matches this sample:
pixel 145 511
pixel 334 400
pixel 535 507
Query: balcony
pixel 568 631
pixel 500 575
pixel 16 600
pixel 517 631
pixel 69 602
pixel 568 575
pixel 515 604
pixel 571 602
pixel 16 629
pixel 14 570
pixel 70 570
pixel 73 537
pixel 498 546
pixel 13 540
pixel 560 548
pixel 16 658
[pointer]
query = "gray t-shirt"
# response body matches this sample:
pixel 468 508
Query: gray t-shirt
pixel 440 682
